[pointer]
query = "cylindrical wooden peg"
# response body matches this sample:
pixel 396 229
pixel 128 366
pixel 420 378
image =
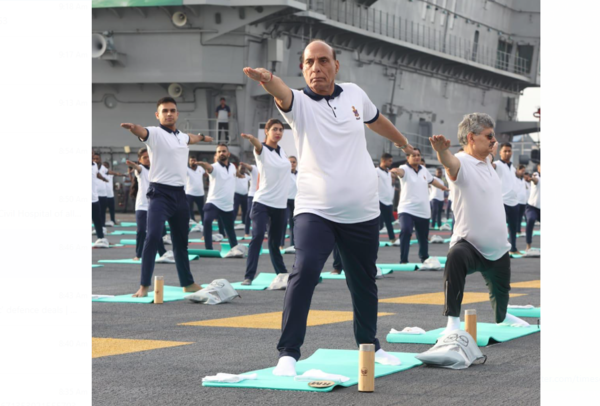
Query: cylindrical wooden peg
pixel 471 323
pixel 158 289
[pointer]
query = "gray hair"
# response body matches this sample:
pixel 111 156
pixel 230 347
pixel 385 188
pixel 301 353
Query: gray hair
pixel 473 123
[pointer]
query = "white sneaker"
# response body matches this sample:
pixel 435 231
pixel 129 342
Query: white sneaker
pixel 397 242
pixel 101 243
pixel 239 227
pixel 167 240
pixel 383 230
pixel 379 273
pixel 93 231
pixel 217 237
pixel 436 239
pixel 290 250
pixel 192 222
pixel 445 227
pixel 109 224
pixel 198 228
pixel 167 258
pixel 104 230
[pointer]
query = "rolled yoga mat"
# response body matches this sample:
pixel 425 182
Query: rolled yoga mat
pixel 340 362
pixel 170 294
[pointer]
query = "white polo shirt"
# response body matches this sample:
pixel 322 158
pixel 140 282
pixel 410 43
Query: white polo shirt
pixel 241 185
pixel 94 187
pixel 336 180
pixel 435 193
pixel 385 187
pixel 100 184
pixel 195 181
pixel 274 184
pixel 109 186
pixel 293 185
pixel 141 201
pixel 168 151
pixel 414 192
pixel 535 196
pixel 479 216
pixel 522 194
pixel 253 181
pixel 509 183
pixel 222 186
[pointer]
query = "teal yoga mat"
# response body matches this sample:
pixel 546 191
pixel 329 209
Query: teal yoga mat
pixel 110 245
pixel 204 253
pixel 537 233
pixel 123 232
pixel 139 261
pixel 97 266
pixel 399 267
pixel 342 362
pixel 535 312
pixel 487 333
pixel 170 294
pixel 127 224
pixel 128 242
pixel 328 275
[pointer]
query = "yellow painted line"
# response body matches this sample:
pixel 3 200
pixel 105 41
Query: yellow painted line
pixel 528 284
pixel 438 298
pixel 273 320
pixel 103 347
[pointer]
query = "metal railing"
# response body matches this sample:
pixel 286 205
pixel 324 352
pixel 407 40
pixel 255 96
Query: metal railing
pixel 425 35
pixel 209 126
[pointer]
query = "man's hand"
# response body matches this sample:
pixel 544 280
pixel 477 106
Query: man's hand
pixel 128 126
pixel 136 130
pixel 439 143
pixel 254 141
pixel 258 74
pixel 194 139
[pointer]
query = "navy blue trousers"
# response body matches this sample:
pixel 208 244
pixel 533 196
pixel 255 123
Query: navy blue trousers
pixel 167 203
pixel 103 200
pixel 533 214
pixel 199 200
pixel 110 205
pixel 464 259
pixel 96 219
pixel 260 217
pixel 337 259
pixel 421 225
pixel 240 201
pixel 387 217
pixel 521 214
pixel 211 212
pixel 289 219
pixel 248 220
pixel 437 206
pixel 513 221
pixel 448 210
pixel 141 220
pixel 315 238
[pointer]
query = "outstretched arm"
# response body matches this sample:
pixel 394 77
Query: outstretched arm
pixel 136 130
pixel 452 164
pixel 273 85
pixel 399 172
pixel 207 167
pixel 194 139
pixel 439 185
pixel 133 166
pixel 246 166
pixel 254 141
pixel 385 128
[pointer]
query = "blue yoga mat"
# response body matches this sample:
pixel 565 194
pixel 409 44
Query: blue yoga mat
pixel 535 312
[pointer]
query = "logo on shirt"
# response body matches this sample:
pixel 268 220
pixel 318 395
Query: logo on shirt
pixel 355 113
pixel 424 178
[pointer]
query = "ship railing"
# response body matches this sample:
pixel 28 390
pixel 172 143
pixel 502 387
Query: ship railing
pixel 210 127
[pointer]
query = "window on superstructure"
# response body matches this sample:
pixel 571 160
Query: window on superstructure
pixel 503 54
pixel 523 58
pixel 475 44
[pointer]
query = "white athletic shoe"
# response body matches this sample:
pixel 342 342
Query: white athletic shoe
pixel 167 258
pixel 217 237
pixel 383 229
pixel 397 242
pixel 436 239
pixel 239 227
pixel 104 230
pixel 101 243
pixel 290 250
pixel 167 240
pixel 192 222
pixel 445 227
pixel 379 273
pixel 109 224
pixel 93 231
pixel 198 228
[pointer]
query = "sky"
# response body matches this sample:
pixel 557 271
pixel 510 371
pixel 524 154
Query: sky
pixel 528 103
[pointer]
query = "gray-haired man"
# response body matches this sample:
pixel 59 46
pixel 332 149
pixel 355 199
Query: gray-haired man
pixel 479 241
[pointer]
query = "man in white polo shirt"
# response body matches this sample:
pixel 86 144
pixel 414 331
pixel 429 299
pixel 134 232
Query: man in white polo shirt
pixel 479 242
pixel 219 202
pixel 386 194
pixel 414 209
pixel 506 172
pixel 337 200
pixel 522 193
pixel 194 188
pixel 168 151
pixel 436 200
pixel 533 211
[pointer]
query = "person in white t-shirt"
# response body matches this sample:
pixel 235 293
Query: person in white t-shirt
pixel 110 194
pixel 386 194
pixel 101 183
pixel 522 193
pixel 168 151
pixel 270 200
pixel 533 211
pixel 194 188
pixel 479 241
pixel 101 242
pixel 506 172
pixel 436 200
pixel 289 213
pixel 414 210
pixel 252 172
pixel 219 202
pixel 337 201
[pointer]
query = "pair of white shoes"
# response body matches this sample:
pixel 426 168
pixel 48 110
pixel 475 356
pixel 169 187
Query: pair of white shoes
pixel 167 258
pixel 101 243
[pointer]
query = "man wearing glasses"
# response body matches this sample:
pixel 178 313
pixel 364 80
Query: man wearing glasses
pixel 479 241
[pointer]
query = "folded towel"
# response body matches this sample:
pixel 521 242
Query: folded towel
pixel 408 330
pixel 318 375
pixel 230 378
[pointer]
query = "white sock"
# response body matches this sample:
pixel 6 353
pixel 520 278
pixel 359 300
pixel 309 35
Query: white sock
pixel 382 357
pixel 514 321
pixel 453 324
pixel 285 367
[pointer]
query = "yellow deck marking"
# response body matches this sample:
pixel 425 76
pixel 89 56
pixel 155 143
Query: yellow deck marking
pixel 438 298
pixel 103 347
pixel 273 320
pixel 528 284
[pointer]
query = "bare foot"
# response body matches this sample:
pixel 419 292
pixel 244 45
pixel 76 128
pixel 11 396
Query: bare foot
pixel 142 291
pixel 136 259
pixel 528 247
pixel 194 287
pixel 247 236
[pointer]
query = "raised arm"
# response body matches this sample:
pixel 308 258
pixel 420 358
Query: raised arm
pixel 136 130
pixel 439 185
pixel 255 143
pixel 452 164
pixel 535 178
pixel 385 128
pixel 273 85
pixel 399 172
pixel 207 167
pixel 246 166
pixel 194 139
pixel 134 166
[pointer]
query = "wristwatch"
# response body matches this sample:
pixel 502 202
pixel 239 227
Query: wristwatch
pixel 203 136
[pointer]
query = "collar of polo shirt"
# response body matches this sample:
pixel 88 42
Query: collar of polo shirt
pixel 271 148
pixel 385 170
pixel 316 97
pixel 506 163
pixel 416 170
pixel 169 130
pixel 224 166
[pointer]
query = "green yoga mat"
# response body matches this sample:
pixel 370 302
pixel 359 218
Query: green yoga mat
pixel 123 232
pixel 170 294
pixel 127 224
pixel 139 261
pixel 399 267
pixel 535 312
pixel 328 275
pixel 537 233
pixel 97 266
pixel 204 253
pixel 110 245
pixel 260 282
pixel 127 242
pixel 342 362
pixel 487 333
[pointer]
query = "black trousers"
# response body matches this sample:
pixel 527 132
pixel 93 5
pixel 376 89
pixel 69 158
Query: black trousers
pixel 315 238
pixel 110 204
pixel 248 221
pixel 199 200
pixel 513 221
pixel 337 259
pixel 521 214
pixel 103 205
pixel 533 214
pixel 464 259
pixel 421 225
pixel 225 128
pixel 97 220
pixel 437 207
pixel 387 217
pixel 141 220
pixel 211 212
pixel 240 201
pixel 289 219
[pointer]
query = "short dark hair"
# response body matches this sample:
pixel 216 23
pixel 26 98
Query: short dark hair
pixel 272 122
pixel 506 144
pixel 141 152
pixel 106 164
pixel 416 149
pixel 318 40
pixel 166 100
pixel 222 98
pixel 220 144
pixel 521 167
pixel 385 155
